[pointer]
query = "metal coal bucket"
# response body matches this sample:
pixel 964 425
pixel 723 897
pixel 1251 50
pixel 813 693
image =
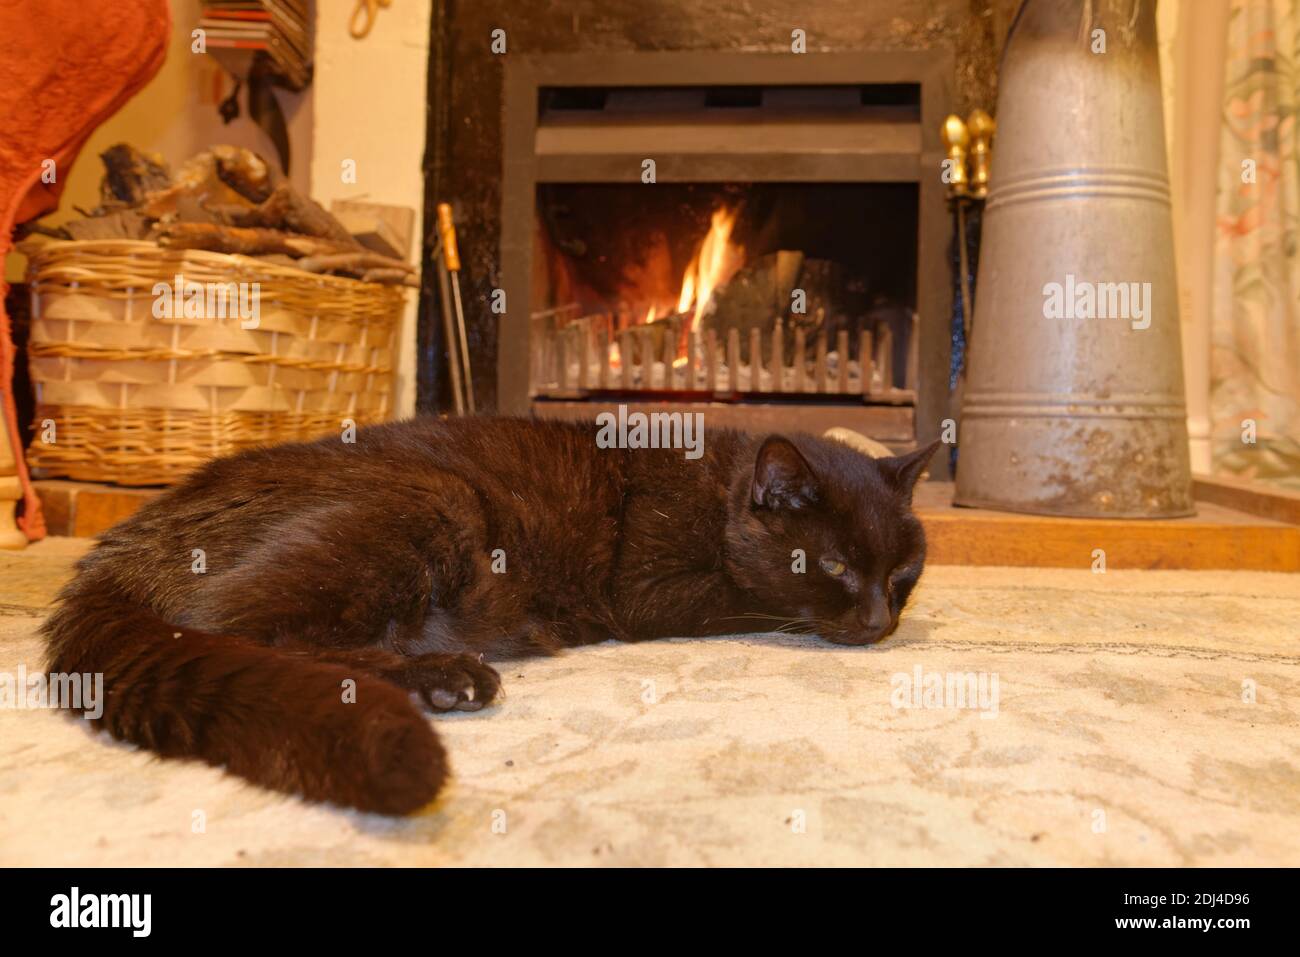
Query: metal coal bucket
pixel 1074 396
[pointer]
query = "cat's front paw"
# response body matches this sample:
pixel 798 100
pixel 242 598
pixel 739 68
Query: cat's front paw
pixel 450 682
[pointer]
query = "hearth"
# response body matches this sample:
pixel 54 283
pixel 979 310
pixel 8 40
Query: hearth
pixel 760 235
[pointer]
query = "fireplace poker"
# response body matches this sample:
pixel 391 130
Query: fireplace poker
pixel 459 342
pixel 449 331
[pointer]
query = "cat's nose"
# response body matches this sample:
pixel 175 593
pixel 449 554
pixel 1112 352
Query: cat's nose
pixel 875 617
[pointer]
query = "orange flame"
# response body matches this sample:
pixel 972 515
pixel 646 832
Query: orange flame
pixel 714 264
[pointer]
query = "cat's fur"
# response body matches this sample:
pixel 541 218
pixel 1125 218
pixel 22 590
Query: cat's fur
pixel 228 614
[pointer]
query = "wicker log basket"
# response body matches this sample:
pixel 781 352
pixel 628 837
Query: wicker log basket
pixel 138 398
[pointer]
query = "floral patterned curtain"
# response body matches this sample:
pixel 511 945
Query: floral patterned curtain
pixel 1255 359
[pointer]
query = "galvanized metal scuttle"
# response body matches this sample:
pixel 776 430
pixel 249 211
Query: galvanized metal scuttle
pixel 1074 401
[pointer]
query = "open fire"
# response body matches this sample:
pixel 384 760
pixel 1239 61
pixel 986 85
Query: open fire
pixel 715 263
pixel 736 319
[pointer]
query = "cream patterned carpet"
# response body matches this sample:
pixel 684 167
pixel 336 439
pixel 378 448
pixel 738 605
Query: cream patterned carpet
pixel 1120 737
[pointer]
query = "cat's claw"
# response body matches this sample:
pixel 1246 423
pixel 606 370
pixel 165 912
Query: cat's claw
pixel 450 682
pixel 441 700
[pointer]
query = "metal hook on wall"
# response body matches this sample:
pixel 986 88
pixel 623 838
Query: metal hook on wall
pixel 359 27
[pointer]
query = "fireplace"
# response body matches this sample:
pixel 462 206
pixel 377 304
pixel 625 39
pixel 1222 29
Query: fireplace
pixel 762 236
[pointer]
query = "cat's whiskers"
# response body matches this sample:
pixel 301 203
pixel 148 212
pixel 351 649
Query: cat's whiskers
pixel 757 614
pixel 788 624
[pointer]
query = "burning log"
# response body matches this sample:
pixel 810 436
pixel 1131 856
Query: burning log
pixel 812 295
pixel 757 293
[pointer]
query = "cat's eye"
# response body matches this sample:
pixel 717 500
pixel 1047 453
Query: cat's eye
pixel 833 567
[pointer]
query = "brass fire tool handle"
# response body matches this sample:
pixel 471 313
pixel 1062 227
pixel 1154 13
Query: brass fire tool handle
pixel 970 140
pixel 447 233
pixel 451 259
pixel 449 331
pixel 956 138
pixel 981 128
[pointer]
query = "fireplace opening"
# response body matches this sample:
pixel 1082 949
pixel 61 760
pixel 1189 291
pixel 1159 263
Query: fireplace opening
pixel 756 235
pixel 733 290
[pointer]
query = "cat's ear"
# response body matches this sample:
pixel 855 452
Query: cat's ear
pixel 904 470
pixel 782 477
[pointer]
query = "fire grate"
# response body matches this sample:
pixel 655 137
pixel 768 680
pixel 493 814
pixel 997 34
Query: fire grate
pixel 575 356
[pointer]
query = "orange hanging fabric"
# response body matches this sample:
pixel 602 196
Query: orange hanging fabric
pixel 66 66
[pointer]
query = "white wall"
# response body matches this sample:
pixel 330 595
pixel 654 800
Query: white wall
pixel 370 108
pixel 366 103
pixel 175 115
pixel 1193 50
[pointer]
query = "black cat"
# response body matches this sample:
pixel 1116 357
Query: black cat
pixel 274 613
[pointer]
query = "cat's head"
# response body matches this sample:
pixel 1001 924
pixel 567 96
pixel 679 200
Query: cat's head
pixel 823 538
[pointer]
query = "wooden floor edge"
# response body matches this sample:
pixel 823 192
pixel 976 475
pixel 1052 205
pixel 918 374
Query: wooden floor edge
pixel 1245 495
pixel 1053 543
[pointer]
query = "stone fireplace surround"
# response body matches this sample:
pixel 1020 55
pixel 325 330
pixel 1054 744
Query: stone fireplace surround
pixel 470 126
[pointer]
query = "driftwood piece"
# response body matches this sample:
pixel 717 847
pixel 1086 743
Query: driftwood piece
pixel 288 209
pixel 353 262
pixel 234 187
pixel 120 224
pixel 245 172
pixel 243 241
pixel 197 185
pixel 24 230
pixel 190 209
pixel 223 176
pixel 393 277
pixel 311 253
pixel 130 175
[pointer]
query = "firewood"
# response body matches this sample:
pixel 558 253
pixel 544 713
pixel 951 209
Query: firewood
pixel 24 230
pixel 121 224
pixel 352 262
pixel 755 294
pixel 245 172
pixel 288 209
pixel 285 209
pixel 223 176
pixel 244 241
pixel 197 182
pixel 395 277
pixel 130 175
pixel 311 253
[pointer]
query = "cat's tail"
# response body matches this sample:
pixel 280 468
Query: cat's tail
pixel 287 723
